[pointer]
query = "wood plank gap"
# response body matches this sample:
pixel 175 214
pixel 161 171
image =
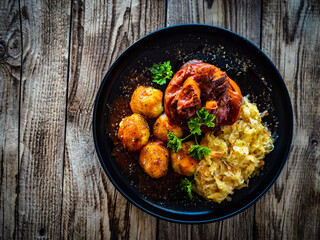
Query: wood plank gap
pixel 129 20
pixel 261 25
pixel 16 208
pixel 66 117
pixel 114 211
pixel 203 10
pixel 221 230
pixel 1 174
pixel 165 15
pixel 157 229
pixel 253 227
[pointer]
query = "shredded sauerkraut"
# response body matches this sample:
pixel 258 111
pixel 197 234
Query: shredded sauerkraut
pixel 237 153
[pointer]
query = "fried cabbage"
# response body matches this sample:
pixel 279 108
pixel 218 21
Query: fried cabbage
pixel 237 153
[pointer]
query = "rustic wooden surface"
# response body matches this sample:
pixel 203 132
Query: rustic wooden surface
pixel 53 55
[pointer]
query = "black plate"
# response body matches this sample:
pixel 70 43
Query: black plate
pixel 244 63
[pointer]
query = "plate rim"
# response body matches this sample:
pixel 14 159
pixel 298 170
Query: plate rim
pixel 105 169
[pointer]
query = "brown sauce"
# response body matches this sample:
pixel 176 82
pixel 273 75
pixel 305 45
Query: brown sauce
pixel 157 189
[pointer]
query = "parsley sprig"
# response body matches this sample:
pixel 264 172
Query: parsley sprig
pixel 161 72
pixel 185 185
pixel 197 152
pixel 194 124
pixel 204 118
pixel 174 142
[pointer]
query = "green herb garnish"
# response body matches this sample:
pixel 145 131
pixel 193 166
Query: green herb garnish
pixel 185 185
pixel 174 142
pixel 161 72
pixel 204 118
pixel 197 152
pixel 194 124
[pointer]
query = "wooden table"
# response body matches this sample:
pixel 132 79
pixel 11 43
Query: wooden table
pixel 53 56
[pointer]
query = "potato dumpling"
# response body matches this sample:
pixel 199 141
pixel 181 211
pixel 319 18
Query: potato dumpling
pixel 182 162
pixel 134 132
pixel 161 127
pixel 147 101
pixel 154 159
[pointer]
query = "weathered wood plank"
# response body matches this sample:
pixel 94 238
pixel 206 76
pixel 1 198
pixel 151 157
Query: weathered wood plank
pixel 290 37
pixel 10 69
pixel 242 17
pixel 185 11
pixel 45 28
pixel 100 31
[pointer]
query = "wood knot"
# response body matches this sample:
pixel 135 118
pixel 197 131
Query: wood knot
pixel 3 50
pixel 14 45
pixel 42 232
pixel 209 2
pixel 314 140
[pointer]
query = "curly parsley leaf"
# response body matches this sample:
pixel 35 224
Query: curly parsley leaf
pixel 197 152
pixel 174 142
pixel 185 185
pixel 194 126
pixel 205 117
pixel 161 72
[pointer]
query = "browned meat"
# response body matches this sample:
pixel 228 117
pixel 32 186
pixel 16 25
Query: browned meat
pixel 199 84
pixel 189 98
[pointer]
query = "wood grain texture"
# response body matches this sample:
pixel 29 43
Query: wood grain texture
pixel 10 69
pixel 243 17
pixel 45 29
pixel 100 32
pixel 184 11
pixel 290 37
pixel 56 53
